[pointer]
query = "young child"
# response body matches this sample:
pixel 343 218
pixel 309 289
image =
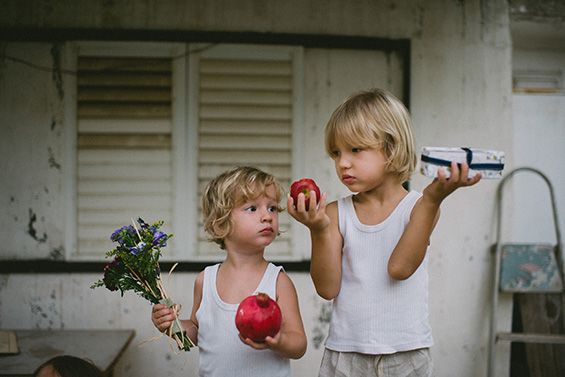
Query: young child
pixel 369 248
pixel 240 209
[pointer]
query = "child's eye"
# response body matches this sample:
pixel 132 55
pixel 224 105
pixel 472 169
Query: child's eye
pixel 273 209
pixel 251 209
pixel 356 150
pixel 334 154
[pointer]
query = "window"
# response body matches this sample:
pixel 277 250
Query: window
pixel 247 106
pixel 154 122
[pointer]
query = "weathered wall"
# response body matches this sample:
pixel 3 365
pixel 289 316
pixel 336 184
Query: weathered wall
pixel 539 128
pixel 31 118
pixel 316 17
pixel 460 95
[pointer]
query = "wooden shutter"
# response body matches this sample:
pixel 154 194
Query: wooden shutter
pixel 123 145
pixel 245 117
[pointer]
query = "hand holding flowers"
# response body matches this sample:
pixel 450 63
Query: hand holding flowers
pixel 135 267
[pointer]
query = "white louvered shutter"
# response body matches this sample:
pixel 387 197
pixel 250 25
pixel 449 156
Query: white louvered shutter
pixel 246 113
pixel 123 146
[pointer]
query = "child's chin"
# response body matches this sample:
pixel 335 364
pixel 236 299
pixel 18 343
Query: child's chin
pixel 267 241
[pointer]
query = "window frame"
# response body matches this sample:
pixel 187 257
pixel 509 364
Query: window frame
pixel 185 139
pixel 176 51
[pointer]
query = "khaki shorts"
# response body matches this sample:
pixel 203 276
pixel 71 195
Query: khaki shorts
pixel 417 363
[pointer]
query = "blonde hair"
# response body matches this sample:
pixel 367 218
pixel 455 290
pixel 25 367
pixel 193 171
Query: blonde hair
pixel 228 190
pixel 375 119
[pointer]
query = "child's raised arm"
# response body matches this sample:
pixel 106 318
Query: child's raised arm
pixel 411 248
pixel 290 341
pixel 327 242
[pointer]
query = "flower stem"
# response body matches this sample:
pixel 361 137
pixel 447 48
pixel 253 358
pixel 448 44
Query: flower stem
pixel 161 288
pixel 143 282
pixel 136 231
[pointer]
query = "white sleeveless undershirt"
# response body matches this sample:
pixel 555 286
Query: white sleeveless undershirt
pixel 373 313
pixel 222 353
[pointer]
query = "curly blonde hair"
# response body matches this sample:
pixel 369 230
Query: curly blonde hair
pixel 229 190
pixel 375 119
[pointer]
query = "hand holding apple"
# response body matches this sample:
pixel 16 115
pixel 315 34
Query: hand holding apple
pixel 305 186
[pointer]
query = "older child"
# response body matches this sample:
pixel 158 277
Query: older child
pixel 240 208
pixel 369 248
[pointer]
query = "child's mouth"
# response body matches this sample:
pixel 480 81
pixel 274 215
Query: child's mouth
pixel 347 179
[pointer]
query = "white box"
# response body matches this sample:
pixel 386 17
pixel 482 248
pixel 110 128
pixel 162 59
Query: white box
pixel 489 163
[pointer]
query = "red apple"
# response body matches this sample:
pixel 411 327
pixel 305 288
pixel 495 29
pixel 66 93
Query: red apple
pixel 257 317
pixel 305 186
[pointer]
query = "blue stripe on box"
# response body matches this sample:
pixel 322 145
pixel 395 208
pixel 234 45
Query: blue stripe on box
pixel 476 166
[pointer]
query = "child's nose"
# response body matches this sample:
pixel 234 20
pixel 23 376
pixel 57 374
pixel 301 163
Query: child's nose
pixel 343 162
pixel 267 215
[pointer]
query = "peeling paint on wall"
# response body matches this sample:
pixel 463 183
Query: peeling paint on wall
pixel 44 312
pixel 31 228
pixel 13 202
pixel 57 253
pixel 52 162
pixel 57 119
pixel 320 330
pixel 57 75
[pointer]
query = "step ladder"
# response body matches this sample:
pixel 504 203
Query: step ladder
pixel 525 268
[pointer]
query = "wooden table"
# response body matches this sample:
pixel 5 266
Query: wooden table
pixel 102 347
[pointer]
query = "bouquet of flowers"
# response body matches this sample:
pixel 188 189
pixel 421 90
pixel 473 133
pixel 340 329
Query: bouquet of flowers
pixel 135 267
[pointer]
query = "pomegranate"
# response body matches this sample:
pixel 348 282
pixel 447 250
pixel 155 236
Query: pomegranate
pixel 257 317
pixel 305 186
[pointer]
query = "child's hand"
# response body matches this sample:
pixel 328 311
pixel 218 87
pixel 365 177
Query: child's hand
pixel 162 317
pixel 441 186
pixel 315 218
pixel 270 342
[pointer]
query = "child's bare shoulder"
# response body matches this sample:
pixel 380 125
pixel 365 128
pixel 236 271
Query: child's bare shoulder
pixel 331 208
pixel 284 281
pixel 199 281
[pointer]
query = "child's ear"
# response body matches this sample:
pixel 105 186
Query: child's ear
pixel 220 230
pixel 219 233
pixel 388 165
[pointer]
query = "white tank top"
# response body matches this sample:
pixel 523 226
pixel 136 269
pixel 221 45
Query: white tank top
pixel 222 353
pixel 373 313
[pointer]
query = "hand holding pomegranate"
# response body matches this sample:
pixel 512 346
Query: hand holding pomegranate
pixel 273 343
pixel 258 317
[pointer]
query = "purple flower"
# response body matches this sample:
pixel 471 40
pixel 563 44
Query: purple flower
pixel 160 238
pixel 120 234
pixel 116 235
pixel 137 248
